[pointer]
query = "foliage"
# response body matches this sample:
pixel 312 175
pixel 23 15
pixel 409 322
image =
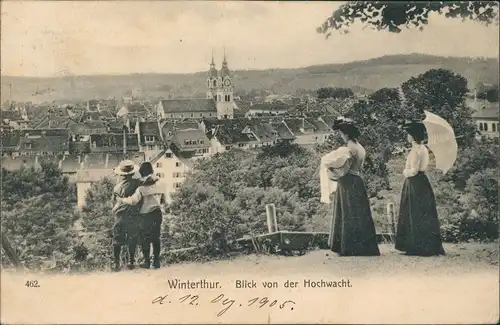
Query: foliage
pixel 203 217
pixel 334 92
pixel 38 216
pixel 473 159
pixel 384 95
pixel 97 221
pixel 393 16
pixel 488 93
pixel 225 196
pixel 442 92
pixel 482 188
pixel 467 197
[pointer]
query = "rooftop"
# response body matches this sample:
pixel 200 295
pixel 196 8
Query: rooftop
pixel 188 105
pixel 487 113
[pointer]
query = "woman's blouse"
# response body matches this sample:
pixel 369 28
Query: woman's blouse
pixel 358 154
pixel 417 160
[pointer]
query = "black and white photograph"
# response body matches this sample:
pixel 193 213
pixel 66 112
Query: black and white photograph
pixel 249 162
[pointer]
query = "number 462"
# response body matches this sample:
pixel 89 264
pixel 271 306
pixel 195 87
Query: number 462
pixel 32 284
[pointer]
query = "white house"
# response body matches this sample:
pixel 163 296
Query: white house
pixel 487 121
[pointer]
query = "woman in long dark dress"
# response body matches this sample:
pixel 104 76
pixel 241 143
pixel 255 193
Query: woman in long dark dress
pixel 352 232
pixel 418 230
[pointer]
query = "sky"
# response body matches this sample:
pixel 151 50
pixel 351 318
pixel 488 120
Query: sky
pixel 44 39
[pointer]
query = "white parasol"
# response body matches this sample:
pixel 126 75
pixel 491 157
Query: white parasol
pixel 441 141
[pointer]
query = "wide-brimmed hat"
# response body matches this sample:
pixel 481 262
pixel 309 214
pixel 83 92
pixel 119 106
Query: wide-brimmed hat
pixel 126 167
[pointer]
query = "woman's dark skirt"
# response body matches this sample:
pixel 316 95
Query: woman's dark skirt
pixel 418 231
pixel 352 232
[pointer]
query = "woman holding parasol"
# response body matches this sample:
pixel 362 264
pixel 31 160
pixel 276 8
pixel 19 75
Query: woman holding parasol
pixel 352 232
pixel 418 230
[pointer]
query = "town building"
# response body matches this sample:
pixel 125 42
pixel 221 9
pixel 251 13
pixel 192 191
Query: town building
pixel 273 108
pixel 219 101
pixel 133 110
pixel 487 121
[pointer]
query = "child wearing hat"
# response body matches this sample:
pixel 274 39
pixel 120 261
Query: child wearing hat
pixel 126 226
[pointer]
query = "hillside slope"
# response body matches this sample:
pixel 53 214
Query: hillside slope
pixel 387 71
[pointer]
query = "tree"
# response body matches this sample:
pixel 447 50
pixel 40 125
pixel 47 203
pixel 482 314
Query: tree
pixel 385 95
pixel 442 92
pixel 471 160
pixel 38 215
pixel 393 16
pixel 492 94
pixel 203 216
pixel 334 92
pixel 483 190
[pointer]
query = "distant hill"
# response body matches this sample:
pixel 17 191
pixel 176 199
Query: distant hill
pixel 368 75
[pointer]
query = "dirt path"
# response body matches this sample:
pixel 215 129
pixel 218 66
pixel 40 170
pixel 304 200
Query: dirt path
pixel 461 287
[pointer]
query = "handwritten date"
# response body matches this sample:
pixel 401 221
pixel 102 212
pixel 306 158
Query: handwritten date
pixel 227 303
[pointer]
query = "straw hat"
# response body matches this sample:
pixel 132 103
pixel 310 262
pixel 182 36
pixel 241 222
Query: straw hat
pixel 126 167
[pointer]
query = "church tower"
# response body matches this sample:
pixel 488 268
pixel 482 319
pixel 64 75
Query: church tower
pixel 224 92
pixel 212 81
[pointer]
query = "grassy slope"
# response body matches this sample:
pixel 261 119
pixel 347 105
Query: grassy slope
pixel 387 71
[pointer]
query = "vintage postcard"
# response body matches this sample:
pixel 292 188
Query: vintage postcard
pixel 239 162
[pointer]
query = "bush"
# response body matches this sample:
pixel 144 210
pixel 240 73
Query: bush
pixel 203 218
pixel 97 221
pixel 469 215
pixel 482 189
pixel 38 216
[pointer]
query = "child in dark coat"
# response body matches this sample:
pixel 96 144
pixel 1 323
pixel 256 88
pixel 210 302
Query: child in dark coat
pixel 126 226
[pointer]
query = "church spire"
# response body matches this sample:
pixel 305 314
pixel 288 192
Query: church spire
pixel 224 61
pixel 212 73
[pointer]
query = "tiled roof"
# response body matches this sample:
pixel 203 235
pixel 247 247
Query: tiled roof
pixel 95 115
pixel 487 113
pixel 5 127
pixel 188 105
pixel 319 126
pixel 231 132
pixel 295 125
pixel 116 127
pixel 149 128
pixel 136 109
pixel 329 119
pixel 191 139
pixel 273 107
pixel 210 123
pixel 168 131
pixel 87 127
pixel 47 122
pixel 263 130
pixel 283 131
pixel 11 115
pixel 113 142
pixel 44 143
pixel 242 105
pixel 170 128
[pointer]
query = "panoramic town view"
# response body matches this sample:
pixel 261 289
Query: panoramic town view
pixel 234 145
